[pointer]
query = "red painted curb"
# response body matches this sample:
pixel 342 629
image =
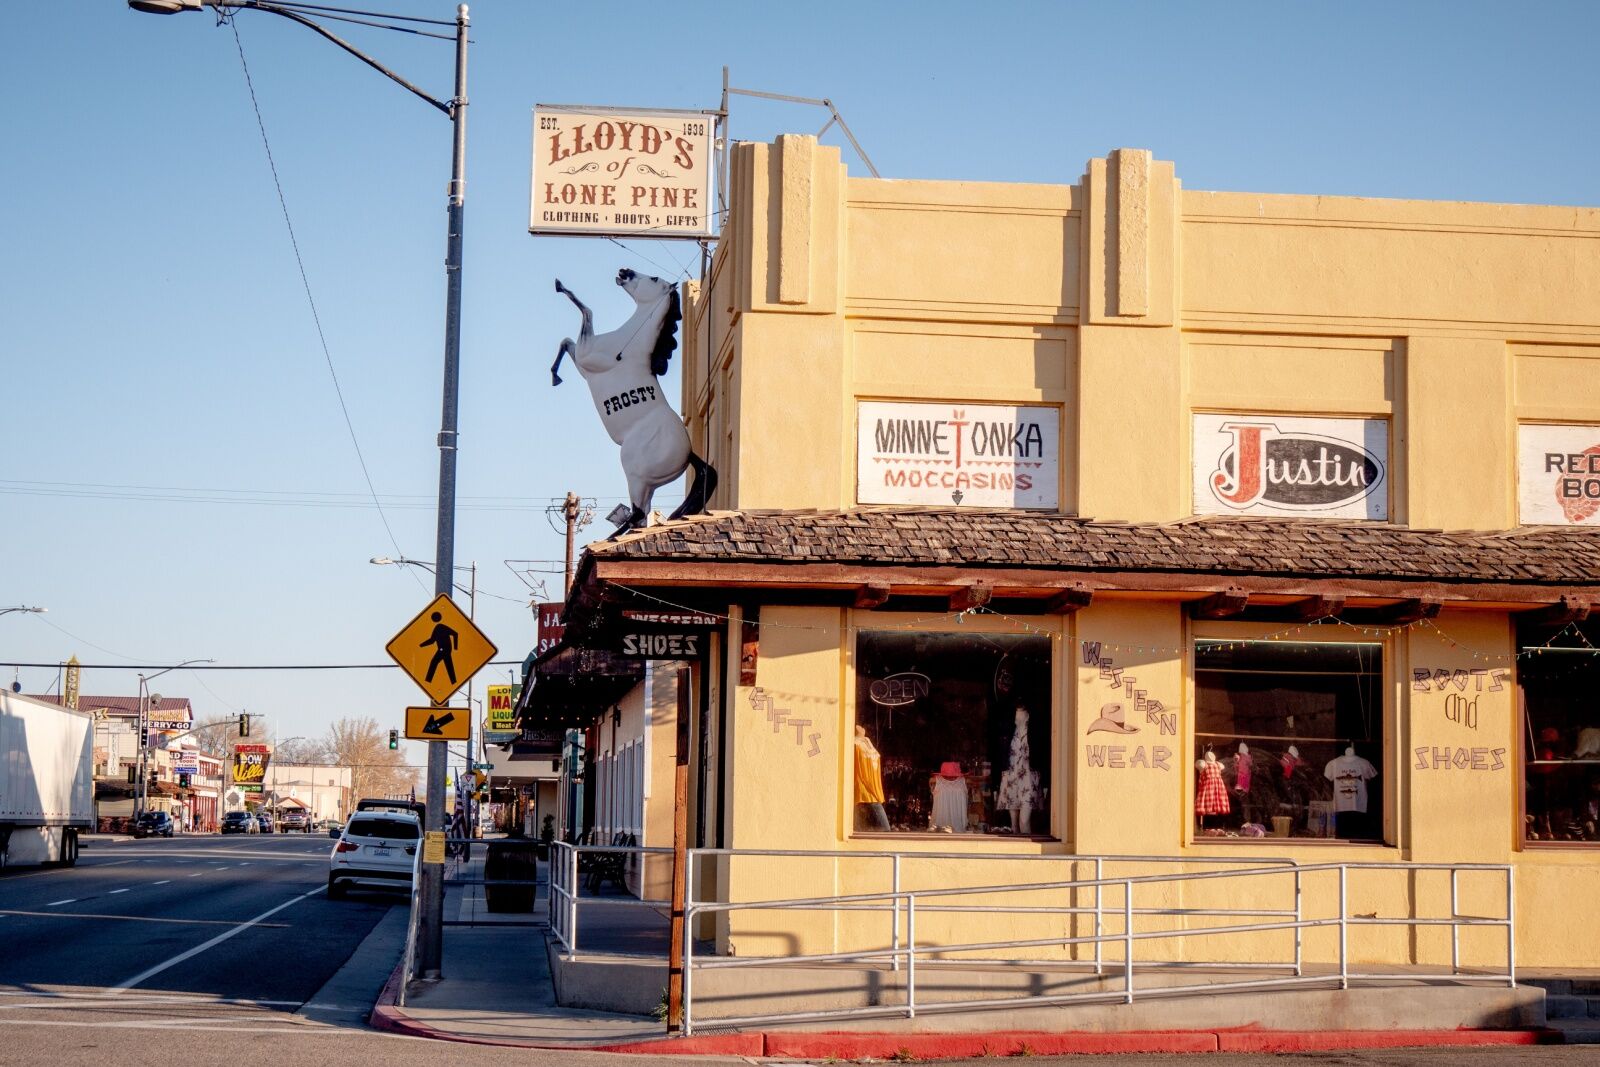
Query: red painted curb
pixel 1002 1043
pixel 710 1045
pixel 1316 1041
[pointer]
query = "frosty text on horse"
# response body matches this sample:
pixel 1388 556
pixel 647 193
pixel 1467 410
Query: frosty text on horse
pixel 622 368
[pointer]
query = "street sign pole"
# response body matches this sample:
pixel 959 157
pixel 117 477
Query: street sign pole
pixel 430 928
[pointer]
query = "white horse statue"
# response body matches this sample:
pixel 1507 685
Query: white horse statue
pixel 621 368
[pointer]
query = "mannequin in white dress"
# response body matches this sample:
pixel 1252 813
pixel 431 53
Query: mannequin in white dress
pixel 1019 784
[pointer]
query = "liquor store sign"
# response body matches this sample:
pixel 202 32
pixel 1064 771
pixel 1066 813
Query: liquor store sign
pixel 1279 465
pixel 958 455
pixel 608 173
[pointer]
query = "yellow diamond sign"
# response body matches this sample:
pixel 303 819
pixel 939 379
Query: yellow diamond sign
pixel 441 649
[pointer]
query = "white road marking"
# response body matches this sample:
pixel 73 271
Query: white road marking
pixel 163 881
pixel 58 903
pixel 305 1028
pixel 114 892
pixel 241 928
pixel 93 996
pixel 222 868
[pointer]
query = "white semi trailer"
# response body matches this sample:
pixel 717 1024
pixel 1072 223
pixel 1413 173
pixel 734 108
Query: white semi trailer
pixel 46 781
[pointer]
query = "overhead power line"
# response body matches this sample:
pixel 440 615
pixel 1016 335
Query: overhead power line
pixel 242 666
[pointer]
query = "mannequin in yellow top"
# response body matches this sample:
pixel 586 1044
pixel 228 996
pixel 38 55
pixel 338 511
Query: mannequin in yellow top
pixel 869 785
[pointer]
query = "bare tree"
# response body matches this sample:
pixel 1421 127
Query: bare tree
pixel 215 735
pixel 363 746
pixel 313 751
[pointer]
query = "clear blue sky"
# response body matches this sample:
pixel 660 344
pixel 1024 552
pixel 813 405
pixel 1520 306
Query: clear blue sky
pixel 155 332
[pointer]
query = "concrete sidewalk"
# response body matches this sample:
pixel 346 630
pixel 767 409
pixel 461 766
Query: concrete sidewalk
pixel 498 989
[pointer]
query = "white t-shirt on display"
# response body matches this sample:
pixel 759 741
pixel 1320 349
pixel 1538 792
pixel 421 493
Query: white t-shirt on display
pixel 1349 776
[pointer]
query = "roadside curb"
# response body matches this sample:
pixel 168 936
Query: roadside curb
pixel 852 1046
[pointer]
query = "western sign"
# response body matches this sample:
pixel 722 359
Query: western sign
pixel 610 173
pixel 958 455
pixel 1558 475
pixel 1272 465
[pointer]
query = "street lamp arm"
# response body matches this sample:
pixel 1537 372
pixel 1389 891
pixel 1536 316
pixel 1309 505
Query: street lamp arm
pixel 256 5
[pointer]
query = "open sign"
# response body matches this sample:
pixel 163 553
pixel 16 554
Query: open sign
pixel 899 689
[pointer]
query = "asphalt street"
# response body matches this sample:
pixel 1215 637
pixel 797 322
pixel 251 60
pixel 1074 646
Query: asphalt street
pixel 238 917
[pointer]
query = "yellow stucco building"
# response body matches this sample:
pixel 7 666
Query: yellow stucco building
pixel 1119 519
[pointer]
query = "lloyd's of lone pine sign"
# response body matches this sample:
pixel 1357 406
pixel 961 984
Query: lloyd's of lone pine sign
pixel 962 455
pixel 1274 465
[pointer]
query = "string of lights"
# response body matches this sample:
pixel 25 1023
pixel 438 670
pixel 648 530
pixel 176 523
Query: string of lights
pixel 1312 629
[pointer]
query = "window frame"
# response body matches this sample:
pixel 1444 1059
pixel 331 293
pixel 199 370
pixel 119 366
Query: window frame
pixel 1056 630
pixel 1389 685
pixel 1523 731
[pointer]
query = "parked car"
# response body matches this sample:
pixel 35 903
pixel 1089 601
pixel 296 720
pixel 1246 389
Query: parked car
pixel 333 826
pixel 240 822
pixel 415 807
pixel 264 821
pixel 297 821
pixel 376 850
pixel 153 824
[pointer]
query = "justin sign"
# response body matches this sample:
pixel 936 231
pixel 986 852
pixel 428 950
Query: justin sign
pixel 967 455
pixel 603 173
pixel 1274 465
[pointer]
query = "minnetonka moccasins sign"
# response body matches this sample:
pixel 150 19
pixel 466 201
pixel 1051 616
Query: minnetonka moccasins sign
pixel 1558 475
pixel 963 455
pixel 603 172
pixel 1275 465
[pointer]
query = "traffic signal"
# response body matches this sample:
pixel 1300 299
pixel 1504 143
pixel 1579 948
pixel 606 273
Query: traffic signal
pixel 244 724
pixel 394 740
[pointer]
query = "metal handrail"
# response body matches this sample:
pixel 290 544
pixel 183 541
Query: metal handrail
pixel 566 897
pixel 408 961
pixel 1285 919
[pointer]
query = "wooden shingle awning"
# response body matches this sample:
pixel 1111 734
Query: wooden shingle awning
pixel 1030 562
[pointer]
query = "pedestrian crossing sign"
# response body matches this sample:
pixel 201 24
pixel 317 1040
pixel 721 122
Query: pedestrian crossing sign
pixel 441 649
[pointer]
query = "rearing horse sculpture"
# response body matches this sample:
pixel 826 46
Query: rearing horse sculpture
pixel 621 368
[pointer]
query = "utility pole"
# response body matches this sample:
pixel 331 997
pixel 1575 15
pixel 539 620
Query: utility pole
pixel 569 509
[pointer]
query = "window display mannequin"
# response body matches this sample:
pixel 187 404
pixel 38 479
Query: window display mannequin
pixel 1210 795
pixel 949 788
pixel 1243 771
pixel 1019 784
pixel 869 784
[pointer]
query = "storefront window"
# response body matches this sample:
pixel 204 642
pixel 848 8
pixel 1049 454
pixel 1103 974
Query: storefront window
pixel 1288 740
pixel 1559 674
pixel 952 733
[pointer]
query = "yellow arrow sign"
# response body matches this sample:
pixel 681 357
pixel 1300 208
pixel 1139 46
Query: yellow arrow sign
pixel 437 724
pixel 441 649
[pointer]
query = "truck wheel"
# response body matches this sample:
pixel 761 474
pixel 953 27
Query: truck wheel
pixel 69 848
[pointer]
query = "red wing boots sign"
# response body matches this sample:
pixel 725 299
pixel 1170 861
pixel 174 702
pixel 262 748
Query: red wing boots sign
pixel 1558 475
pixel 1272 465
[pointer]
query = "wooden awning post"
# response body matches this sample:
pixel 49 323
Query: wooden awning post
pixel 680 848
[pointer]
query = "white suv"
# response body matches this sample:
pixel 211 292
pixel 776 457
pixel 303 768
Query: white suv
pixel 377 850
